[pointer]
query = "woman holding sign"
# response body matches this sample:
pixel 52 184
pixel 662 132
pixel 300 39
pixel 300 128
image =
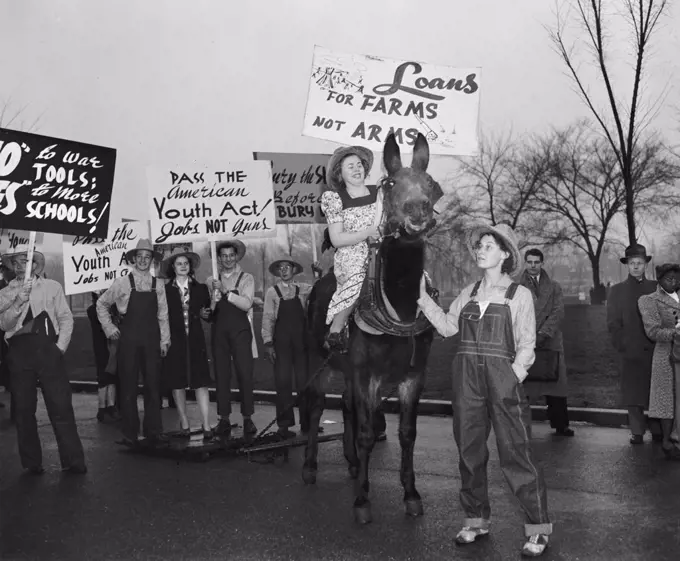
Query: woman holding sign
pixel 352 210
pixel 186 364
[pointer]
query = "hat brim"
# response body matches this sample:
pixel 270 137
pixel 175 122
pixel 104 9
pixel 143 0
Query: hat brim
pixel 340 154
pixel 274 267
pixel 38 257
pixel 624 260
pixel 475 232
pixel 194 258
pixel 130 255
pixel 236 244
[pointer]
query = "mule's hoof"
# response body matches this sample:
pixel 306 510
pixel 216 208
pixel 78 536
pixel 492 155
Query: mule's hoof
pixel 353 471
pixel 414 507
pixel 309 476
pixel 362 514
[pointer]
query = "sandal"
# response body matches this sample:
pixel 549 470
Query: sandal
pixel 469 535
pixel 535 545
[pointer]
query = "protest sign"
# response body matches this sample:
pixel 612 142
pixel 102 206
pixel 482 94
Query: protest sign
pixel 94 265
pixel 359 99
pixel 54 185
pixel 12 240
pixel 198 204
pixel 299 180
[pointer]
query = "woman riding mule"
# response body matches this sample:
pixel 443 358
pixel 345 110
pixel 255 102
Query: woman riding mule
pixel 397 351
pixel 350 208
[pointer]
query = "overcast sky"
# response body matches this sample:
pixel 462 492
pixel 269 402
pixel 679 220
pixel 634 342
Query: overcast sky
pixel 178 81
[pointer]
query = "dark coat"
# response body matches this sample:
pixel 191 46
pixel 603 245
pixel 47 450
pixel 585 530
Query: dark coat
pixel 549 308
pixel 628 336
pixel 659 313
pixel 186 364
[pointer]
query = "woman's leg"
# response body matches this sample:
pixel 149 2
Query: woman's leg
pixel 340 320
pixel 181 401
pixel 203 399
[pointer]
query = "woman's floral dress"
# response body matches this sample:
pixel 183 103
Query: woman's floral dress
pixel 349 262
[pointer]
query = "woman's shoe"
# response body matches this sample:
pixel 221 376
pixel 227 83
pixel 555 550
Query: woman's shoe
pixel 208 434
pixel 470 535
pixel 184 433
pixel 535 545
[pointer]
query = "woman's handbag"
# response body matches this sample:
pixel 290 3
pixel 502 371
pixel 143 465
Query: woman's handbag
pixel 675 349
pixel 546 367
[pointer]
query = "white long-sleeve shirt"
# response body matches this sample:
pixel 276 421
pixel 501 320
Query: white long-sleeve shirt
pixel 521 310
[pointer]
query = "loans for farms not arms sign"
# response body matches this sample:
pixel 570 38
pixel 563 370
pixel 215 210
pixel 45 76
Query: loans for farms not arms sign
pixel 360 99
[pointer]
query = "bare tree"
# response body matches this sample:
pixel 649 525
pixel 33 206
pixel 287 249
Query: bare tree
pixel 629 121
pixel 501 182
pixel 585 189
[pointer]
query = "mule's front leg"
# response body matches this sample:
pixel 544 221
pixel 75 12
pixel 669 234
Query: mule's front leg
pixel 315 406
pixel 409 396
pixel 366 404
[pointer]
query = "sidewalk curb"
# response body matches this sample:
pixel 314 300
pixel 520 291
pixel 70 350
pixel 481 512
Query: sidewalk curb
pixel 432 407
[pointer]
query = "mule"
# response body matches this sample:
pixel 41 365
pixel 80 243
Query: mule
pixel 389 341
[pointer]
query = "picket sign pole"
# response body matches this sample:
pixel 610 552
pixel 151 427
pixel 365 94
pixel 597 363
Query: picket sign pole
pixel 314 255
pixel 213 259
pixel 29 256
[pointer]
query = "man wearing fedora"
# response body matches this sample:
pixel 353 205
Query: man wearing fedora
pixel 284 329
pixel 628 336
pixel 38 325
pixel 232 335
pixel 143 338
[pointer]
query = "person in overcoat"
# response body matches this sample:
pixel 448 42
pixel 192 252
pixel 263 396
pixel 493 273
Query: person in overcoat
pixel 549 308
pixel 660 311
pixel 629 338
pixel 186 364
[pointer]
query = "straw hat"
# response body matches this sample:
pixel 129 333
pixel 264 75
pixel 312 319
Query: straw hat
pixel 475 232
pixel 364 154
pixel 143 244
pixel 274 267
pixel 38 260
pixel 193 258
pixel 238 246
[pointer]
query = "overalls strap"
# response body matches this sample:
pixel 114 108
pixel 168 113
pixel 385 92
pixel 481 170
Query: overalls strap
pixel 475 289
pixel 132 283
pixel 276 288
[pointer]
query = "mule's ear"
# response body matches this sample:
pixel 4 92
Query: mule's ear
pixel 421 154
pixel 392 155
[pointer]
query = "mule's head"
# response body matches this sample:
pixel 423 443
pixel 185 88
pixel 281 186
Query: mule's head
pixel 410 193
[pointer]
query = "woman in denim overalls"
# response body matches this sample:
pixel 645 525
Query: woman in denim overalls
pixel 495 318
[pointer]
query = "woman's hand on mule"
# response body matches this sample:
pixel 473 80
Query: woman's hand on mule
pixel 423 285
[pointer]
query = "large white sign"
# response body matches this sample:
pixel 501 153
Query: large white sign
pixel 198 204
pixel 94 266
pixel 359 99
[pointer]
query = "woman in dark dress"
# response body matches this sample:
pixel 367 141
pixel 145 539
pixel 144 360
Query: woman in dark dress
pixel 186 364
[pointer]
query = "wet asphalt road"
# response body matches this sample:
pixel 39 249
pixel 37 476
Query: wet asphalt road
pixel 608 500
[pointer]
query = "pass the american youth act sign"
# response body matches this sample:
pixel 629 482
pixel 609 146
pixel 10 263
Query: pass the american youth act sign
pixel 359 99
pixel 55 186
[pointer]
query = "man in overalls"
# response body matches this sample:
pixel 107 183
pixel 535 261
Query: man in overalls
pixel 38 324
pixel 284 330
pixel 143 338
pixel 497 324
pixel 232 335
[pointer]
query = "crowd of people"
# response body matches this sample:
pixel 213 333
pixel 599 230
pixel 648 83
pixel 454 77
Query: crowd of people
pixel 510 348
